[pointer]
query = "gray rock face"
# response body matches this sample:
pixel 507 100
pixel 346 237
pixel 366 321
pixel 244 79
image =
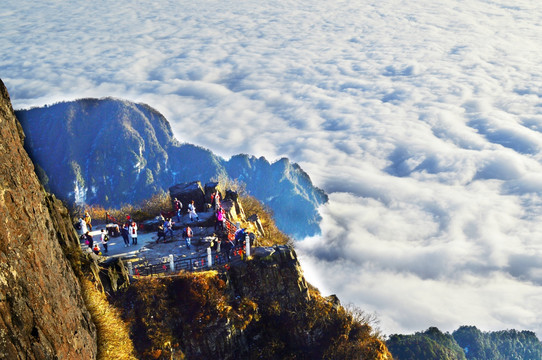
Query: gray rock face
pixel 42 313
pixel 188 192
pixel 110 152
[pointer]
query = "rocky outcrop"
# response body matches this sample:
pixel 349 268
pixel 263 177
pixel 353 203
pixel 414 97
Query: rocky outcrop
pixel 233 206
pixel 188 192
pixel 257 309
pixel 42 313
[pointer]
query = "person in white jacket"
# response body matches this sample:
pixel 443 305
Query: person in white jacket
pixel 133 232
pixel 83 226
pixel 192 211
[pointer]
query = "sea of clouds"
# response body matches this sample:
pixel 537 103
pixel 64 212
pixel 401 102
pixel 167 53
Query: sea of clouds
pixel 422 120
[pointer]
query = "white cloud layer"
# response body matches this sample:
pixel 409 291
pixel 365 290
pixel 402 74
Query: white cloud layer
pixel 422 120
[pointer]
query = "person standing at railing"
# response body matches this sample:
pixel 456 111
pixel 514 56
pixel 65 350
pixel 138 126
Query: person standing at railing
pixel 239 236
pixel 226 247
pixel 220 215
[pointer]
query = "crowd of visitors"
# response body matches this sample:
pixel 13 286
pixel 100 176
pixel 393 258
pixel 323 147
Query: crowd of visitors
pixel 129 229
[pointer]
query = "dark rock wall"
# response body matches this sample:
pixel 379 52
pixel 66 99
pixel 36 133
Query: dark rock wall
pixel 42 313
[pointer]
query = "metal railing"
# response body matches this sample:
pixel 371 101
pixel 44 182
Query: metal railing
pixel 193 264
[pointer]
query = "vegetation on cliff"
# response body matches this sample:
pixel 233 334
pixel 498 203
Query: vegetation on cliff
pixel 257 309
pixel 114 340
pixel 468 343
pixel 260 308
pixel 200 316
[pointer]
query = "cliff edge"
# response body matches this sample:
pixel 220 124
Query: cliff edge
pixel 42 313
pixel 257 309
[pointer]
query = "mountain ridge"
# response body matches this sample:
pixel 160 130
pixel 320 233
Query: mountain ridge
pixel 466 343
pixel 111 151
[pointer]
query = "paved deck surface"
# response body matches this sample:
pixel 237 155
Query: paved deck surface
pixel 149 250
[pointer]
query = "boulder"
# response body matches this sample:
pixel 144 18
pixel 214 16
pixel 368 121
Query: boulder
pixel 233 197
pixel 256 222
pixel 186 192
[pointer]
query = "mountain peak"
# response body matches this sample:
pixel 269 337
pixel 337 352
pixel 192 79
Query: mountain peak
pixel 110 152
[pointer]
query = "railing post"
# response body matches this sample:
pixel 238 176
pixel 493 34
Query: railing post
pixel 247 244
pixel 130 269
pixel 209 257
pixel 171 263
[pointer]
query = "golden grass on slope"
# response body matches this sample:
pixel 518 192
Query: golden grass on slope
pixel 144 210
pixel 113 335
pixel 251 205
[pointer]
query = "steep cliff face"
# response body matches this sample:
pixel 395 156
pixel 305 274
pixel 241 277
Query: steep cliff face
pixel 259 309
pixel 42 314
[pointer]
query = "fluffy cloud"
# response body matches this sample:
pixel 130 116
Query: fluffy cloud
pixel 421 120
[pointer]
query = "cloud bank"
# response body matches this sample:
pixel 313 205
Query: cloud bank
pixel 422 121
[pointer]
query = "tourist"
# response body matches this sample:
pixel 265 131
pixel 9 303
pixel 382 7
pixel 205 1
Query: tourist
pixel 168 228
pixel 192 211
pixel 216 201
pixel 226 248
pixel 187 235
pixel 133 232
pixel 82 227
pixel 89 240
pixel 88 220
pixel 239 236
pixel 161 234
pixel 104 240
pixel 125 234
pixel 220 218
pixel 178 207
pixel 96 249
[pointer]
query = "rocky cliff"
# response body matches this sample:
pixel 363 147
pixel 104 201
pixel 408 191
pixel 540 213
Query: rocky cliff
pixel 110 152
pixel 258 309
pixel 42 314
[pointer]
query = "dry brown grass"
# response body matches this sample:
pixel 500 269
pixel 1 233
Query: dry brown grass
pixel 146 209
pixel 113 335
pixel 162 311
pixel 273 235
